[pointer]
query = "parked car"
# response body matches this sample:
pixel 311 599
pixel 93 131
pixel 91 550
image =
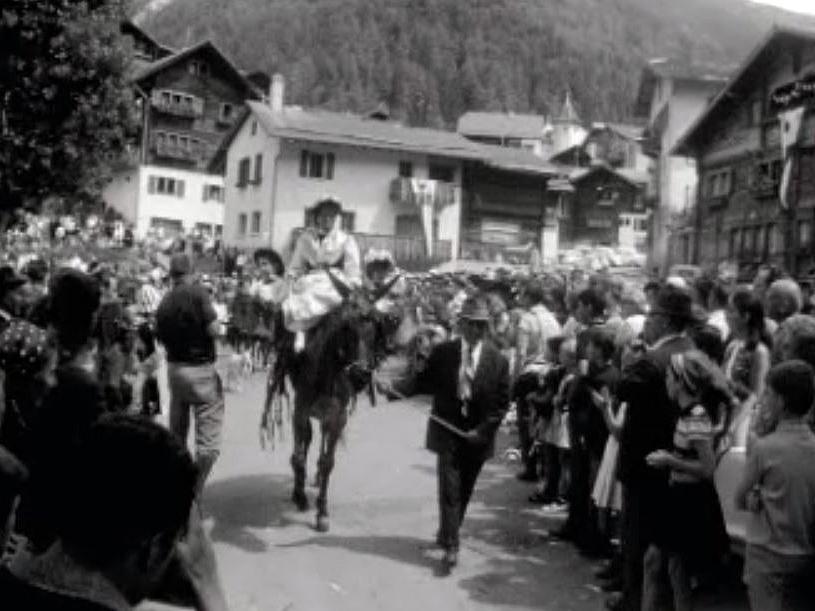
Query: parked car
pixel 729 473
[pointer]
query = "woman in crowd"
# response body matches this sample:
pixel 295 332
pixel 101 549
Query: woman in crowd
pixel 747 357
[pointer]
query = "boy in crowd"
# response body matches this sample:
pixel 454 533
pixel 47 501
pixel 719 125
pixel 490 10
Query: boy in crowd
pixel 778 487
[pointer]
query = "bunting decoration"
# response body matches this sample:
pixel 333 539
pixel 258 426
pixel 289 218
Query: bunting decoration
pixel 424 195
pixel 791 123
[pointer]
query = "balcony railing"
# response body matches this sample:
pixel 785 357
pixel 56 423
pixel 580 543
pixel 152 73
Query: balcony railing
pixel 174 151
pixel 178 109
pixel 406 191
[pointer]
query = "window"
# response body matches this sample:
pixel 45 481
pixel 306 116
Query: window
pixel 317 165
pixel 227 113
pixel 735 244
pixel 719 183
pixel 198 68
pixel 769 239
pixel 254 127
pixel 804 233
pixel 442 173
pixel 163 185
pixel 243 171
pixel 213 193
pixel 258 169
pixel 405 169
pixel 255 228
pixel 242 224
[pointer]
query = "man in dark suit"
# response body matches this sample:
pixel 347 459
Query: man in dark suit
pixel 649 425
pixel 469 380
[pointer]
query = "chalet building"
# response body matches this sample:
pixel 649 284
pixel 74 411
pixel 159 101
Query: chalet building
pixel 146 49
pixel 507 209
pixel 189 100
pixel 415 192
pixel 671 95
pixel 606 208
pixel 738 214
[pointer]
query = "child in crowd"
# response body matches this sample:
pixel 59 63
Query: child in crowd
pixel 554 417
pixel 146 384
pixel 778 488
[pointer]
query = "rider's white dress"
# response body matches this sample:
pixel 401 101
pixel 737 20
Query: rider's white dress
pixel 312 294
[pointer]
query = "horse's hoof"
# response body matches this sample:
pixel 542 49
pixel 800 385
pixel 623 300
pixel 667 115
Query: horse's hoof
pixel 322 524
pixel 301 501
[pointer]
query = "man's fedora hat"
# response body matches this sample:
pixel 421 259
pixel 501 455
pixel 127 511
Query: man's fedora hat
pixel 674 303
pixel 475 309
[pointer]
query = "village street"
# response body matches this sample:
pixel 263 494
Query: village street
pixel 379 554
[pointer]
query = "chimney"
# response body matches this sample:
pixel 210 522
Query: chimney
pixel 277 91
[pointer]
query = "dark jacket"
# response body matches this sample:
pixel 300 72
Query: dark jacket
pixel 651 416
pixel 486 408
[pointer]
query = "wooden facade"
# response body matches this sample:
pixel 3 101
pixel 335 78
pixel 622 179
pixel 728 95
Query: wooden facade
pixel 738 216
pixel 192 102
pixel 592 215
pixel 501 211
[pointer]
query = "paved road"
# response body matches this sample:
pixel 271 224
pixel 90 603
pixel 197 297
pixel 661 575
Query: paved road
pixel 383 517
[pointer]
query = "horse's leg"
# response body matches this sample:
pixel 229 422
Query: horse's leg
pixel 332 427
pixel 302 441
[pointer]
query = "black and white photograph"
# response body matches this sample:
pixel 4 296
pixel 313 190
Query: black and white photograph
pixel 407 305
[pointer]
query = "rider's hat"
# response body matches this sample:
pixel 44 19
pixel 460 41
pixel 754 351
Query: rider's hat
pixel 328 202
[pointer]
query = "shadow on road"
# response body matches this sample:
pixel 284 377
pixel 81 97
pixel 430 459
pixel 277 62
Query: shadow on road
pixel 241 504
pixel 405 550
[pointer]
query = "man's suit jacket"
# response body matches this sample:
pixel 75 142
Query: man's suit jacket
pixel 486 408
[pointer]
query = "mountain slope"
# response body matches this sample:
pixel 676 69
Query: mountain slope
pixel 433 59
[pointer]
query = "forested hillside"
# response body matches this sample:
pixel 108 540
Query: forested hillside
pixel 431 60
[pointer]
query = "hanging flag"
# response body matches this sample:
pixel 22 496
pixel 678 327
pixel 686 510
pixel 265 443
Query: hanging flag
pixel 791 123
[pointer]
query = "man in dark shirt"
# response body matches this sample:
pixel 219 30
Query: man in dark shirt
pixel 187 326
pixel 129 493
pixel 649 424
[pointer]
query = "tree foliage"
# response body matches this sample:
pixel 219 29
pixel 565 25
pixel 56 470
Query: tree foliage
pixel 431 60
pixel 66 110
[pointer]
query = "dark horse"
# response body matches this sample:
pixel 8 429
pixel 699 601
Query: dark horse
pixel 337 363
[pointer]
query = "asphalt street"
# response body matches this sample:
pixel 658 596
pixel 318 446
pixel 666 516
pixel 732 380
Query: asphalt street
pixel 379 553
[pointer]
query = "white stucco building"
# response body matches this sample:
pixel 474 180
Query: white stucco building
pixel 400 187
pixel 168 200
pixel 671 96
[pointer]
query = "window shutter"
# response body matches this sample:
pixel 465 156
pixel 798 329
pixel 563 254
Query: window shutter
pixel 198 106
pixel 329 170
pixel 204 193
pixel 179 187
pixel 151 184
pixel 258 168
pixel 304 163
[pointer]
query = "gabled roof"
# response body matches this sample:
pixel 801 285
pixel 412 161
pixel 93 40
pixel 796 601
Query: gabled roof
pixel 517 160
pixel 627 131
pixel 352 130
pixel 634 178
pixel 207 47
pixel 129 27
pixel 655 70
pixel 501 125
pixel 575 155
pixel 743 80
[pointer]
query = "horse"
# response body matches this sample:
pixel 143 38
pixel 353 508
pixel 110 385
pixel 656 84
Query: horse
pixel 338 362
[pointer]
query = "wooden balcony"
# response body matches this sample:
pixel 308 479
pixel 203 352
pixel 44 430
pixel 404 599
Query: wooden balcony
pixel 176 109
pixel 174 151
pixel 402 192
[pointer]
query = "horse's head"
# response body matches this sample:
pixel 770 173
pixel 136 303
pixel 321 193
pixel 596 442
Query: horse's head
pixel 363 329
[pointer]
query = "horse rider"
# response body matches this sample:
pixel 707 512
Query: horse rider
pixel 325 247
